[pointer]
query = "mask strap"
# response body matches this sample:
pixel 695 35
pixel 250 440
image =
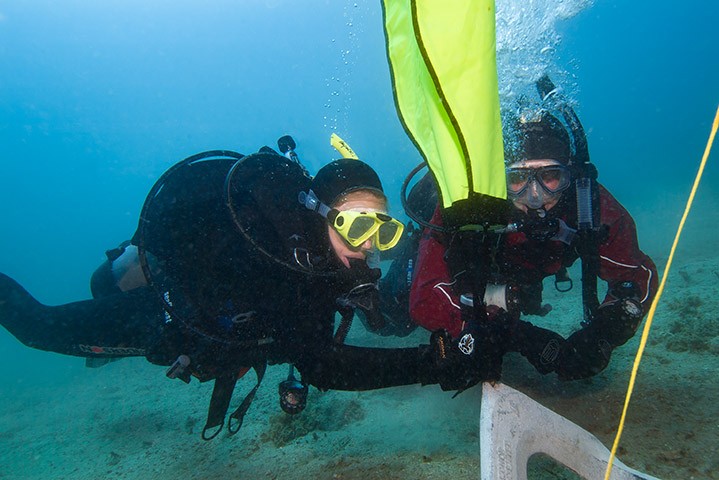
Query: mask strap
pixel 311 202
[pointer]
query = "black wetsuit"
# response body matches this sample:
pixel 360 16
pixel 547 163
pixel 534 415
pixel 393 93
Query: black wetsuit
pixel 266 295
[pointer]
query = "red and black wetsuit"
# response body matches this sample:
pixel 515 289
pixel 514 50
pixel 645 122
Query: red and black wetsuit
pixel 434 298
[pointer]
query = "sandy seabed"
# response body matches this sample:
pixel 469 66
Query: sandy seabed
pixel 126 420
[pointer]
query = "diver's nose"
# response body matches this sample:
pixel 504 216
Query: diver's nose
pixel 367 245
pixel 535 195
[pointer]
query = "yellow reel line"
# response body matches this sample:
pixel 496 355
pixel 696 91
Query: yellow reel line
pixel 653 308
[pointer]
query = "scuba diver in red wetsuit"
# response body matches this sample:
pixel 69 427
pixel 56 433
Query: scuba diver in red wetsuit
pixel 559 214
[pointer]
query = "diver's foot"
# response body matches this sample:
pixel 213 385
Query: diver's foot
pixel 12 293
pixel 17 306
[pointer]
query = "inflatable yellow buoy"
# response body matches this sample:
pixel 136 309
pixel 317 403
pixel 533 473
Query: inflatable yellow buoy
pixel 442 58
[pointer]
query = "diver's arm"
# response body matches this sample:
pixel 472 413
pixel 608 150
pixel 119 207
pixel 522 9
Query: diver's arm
pixel 346 367
pixel 632 279
pixel 121 325
pixel 621 260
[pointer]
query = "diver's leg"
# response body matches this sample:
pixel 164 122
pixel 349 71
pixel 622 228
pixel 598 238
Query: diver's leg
pixel 127 324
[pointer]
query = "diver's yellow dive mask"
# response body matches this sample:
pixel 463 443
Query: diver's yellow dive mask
pixel 356 227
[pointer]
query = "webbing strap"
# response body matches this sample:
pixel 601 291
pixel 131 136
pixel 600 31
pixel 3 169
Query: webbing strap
pixel 239 415
pixel 220 403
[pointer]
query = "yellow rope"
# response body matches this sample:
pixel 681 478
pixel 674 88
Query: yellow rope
pixel 650 316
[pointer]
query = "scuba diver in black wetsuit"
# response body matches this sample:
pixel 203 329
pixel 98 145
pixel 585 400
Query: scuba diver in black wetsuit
pixel 239 262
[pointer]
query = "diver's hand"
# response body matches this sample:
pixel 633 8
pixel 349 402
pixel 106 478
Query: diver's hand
pixel 452 368
pixel 357 275
pixel 469 359
pixel 541 347
pixel 485 340
pixel 585 353
pixel 364 300
pixel 618 321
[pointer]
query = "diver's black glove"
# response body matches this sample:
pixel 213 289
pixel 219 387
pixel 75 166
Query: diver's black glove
pixel 540 346
pixel 485 341
pixel 453 368
pixel 588 350
pixel 585 353
pixel 357 275
pixel 359 287
pixel 540 229
pixel 364 301
pixel 618 321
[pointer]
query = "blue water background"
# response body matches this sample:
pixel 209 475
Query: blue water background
pixel 97 99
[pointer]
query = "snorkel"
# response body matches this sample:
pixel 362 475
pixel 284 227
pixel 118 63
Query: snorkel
pixel 583 171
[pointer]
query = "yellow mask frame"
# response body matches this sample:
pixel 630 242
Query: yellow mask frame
pixel 356 227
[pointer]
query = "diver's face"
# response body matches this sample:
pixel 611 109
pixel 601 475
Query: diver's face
pixel 534 196
pixel 359 200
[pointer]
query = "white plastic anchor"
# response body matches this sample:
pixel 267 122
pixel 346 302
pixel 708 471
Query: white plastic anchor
pixel 513 427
